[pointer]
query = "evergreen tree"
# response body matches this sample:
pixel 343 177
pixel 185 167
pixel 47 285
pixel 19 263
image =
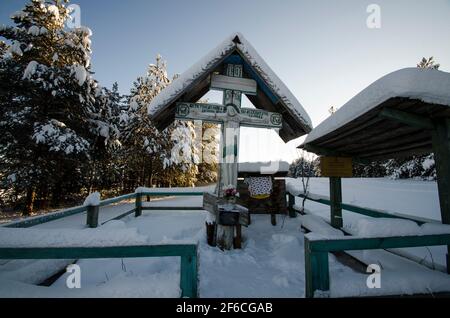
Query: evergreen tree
pixel 49 119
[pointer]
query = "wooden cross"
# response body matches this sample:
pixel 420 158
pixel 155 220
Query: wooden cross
pixel 231 116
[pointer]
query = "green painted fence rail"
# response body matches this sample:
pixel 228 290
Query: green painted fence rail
pixel 360 210
pixel 316 253
pixel 29 222
pixel 187 252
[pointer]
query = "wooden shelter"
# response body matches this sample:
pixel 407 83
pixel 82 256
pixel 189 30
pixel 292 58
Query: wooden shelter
pixel 235 68
pixel 271 95
pixel 404 113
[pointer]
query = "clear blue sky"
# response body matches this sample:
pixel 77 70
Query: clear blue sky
pixel 322 50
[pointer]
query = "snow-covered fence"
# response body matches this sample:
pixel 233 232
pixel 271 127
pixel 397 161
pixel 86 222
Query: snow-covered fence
pixel 317 248
pixel 187 252
pixel 353 208
pixel 92 206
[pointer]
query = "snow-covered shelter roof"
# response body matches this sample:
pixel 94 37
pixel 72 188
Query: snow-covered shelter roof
pixel 390 118
pixel 272 94
pixel 274 168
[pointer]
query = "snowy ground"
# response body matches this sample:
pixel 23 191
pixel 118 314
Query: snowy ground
pixel 271 264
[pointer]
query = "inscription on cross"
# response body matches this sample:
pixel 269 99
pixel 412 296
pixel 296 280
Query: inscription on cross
pixel 231 116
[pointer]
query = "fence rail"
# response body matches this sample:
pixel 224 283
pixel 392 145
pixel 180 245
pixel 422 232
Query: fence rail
pixel 93 211
pixel 316 254
pixel 187 252
pixel 357 209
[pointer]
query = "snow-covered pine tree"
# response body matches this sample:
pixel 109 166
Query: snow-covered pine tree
pixel 208 168
pixel 145 147
pixel 106 164
pixel 47 100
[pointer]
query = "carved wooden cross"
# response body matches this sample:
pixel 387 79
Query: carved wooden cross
pixel 231 116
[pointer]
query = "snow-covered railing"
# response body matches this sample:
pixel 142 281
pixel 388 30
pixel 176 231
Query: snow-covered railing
pixel 354 208
pixel 317 247
pixel 93 203
pixel 187 252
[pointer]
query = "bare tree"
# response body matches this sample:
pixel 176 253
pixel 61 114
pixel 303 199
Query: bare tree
pixel 428 63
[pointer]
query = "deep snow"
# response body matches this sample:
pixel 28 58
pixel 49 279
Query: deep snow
pixel 271 264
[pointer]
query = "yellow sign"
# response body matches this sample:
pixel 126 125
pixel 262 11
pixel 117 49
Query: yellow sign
pixel 336 167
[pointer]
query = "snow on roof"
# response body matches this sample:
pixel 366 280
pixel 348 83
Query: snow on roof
pixel 270 167
pixel 428 85
pixel 212 59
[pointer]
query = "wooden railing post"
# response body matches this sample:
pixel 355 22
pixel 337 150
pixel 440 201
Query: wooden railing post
pixel 188 275
pixel 291 203
pixel 317 276
pixel 138 202
pixel 441 147
pixel 336 202
pixel 92 215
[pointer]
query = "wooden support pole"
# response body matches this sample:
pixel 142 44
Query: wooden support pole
pixel 138 203
pixel 441 147
pixel 273 219
pixel 336 202
pixel 291 203
pixel 92 216
pixel 225 236
pixel 188 276
pixel 317 276
pixel 238 238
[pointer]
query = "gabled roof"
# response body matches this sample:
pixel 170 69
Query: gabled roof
pixel 364 127
pixel 272 95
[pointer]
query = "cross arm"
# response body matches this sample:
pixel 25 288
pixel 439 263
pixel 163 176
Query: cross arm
pixel 199 111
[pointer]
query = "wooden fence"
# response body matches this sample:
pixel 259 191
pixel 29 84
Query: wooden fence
pixel 93 211
pixel 316 253
pixel 187 252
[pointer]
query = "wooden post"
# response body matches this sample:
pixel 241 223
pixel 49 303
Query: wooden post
pixel 188 276
pixel 336 202
pixel 92 216
pixel 291 202
pixel 273 219
pixel 317 276
pixel 238 238
pixel 138 202
pixel 225 236
pixel 441 147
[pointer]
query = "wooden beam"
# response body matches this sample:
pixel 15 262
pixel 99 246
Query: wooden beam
pixel 407 118
pixel 441 146
pixel 336 202
pixel 376 243
pixel 332 153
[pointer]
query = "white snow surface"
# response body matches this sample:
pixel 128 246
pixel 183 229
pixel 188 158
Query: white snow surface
pixel 271 263
pixel 92 199
pixel 427 85
pixel 176 190
pixel 210 60
pixel 385 227
pixel 269 167
pixel 115 233
pixel 318 225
